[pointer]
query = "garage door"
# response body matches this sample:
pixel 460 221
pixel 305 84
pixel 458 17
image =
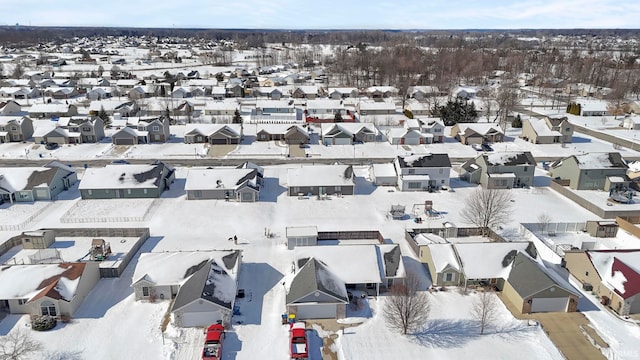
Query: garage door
pixel 42 194
pixel 246 197
pixel 316 312
pixel 123 141
pixel 342 141
pixel 635 306
pixel 193 319
pixel 549 304
pixel 218 141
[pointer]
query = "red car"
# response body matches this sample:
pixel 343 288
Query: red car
pixel 298 341
pixel 213 342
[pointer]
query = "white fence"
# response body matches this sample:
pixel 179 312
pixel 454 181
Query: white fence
pixel 23 224
pixel 67 219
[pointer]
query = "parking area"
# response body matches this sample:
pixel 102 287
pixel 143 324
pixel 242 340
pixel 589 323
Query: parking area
pixel 296 151
pixel 220 150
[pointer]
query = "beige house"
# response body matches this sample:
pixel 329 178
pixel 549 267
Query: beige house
pixel 612 275
pixel 475 133
pixel 46 289
pixel 589 171
pixel 500 170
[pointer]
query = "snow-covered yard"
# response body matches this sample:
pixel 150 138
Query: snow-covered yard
pixel 108 210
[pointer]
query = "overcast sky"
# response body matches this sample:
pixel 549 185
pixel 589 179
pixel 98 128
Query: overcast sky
pixel 327 14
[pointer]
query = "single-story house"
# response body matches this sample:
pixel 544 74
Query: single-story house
pixel 203 284
pixel 477 133
pixel 51 110
pixel 126 181
pixel 27 184
pixel 129 136
pixel 214 134
pixel 347 133
pixel 612 275
pixel 321 180
pixel 223 183
pixel 46 289
pixel 290 134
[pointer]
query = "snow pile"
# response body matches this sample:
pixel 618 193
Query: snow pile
pixel 67 288
pixel 617 280
pixel 224 285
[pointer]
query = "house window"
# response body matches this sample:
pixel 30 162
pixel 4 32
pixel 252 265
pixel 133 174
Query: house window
pixel 411 171
pixel 13 128
pixel 22 301
pixel 525 168
pixel 145 291
pixel 440 171
pixel 144 191
pixel 337 188
pixel 129 191
pixel 89 192
pixel 413 185
pixel 449 277
pixel 48 308
pixel 86 128
pixel 155 128
pixel 567 129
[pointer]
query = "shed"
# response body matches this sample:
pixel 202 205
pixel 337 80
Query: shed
pixel 602 229
pixel 301 236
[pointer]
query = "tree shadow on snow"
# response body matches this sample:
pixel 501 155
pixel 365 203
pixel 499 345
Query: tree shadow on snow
pixel 257 279
pixel 271 190
pixel 447 333
pixel 110 291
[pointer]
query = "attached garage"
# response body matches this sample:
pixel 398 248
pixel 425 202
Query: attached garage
pixel 549 304
pixel 42 194
pixel 342 141
pixel 635 305
pixel 320 311
pixel 123 141
pixel 198 319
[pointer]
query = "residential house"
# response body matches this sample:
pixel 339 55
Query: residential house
pixel 589 171
pixel 432 126
pixel 513 268
pixel 290 134
pixel 406 136
pixel 306 92
pixel 202 284
pixel 221 111
pixel 547 131
pixel 423 172
pixel 594 108
pixel 54 134
pixel 9 108
pixel 500 170
pixel 101 92
pixel 270 92
pixel 126 181
pixel 384 174
pixel 418 108
pixel 156 128
pixel 84 85
pixel 375 108
pixel 46 289
pixel 52 110
pixel 422 92
pixel 325 275
pixel 347 133
pixel 477 133
pixel 123 108
pixel 242 185
pixel 379 92
pixel 612 275
pixel 321 180
pixel 342 93
pixel 142 92
pixel 129 136
pixel 464 93
pixel 91 129
pixel 15 128
pixel 61 92
pixel 631 122
pixel 213 134
pixel 562 125
pixel 19 92
pixel 324 108
pixel 28 184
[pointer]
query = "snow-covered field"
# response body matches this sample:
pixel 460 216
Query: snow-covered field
pixel 110 315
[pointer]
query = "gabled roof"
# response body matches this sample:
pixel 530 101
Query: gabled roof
pixel 320 175
pixel 424 161
pixel 443 256
pixel 528 277
pixel 495 261
pixel 214 282
pixel 221 178
pixel 315 276
pixel 618 269
pixel 56 281
pixel 509 158
pixel 592 161
pixel 125 176
pixel 391 263
pixel 479 128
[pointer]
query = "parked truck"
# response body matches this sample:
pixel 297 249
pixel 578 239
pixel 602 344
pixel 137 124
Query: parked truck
pixel 213 342
pixel 298 341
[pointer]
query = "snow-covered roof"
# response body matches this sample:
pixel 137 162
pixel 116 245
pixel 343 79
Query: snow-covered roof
pixel 173 268
pixel 600 161
pixel 384 170
pixel 490 264
pixel 354 264
pixel 118 176
pixel 49 108
pixel 509 158
pixel 541 128
pixel 618 269
pixel 220 178
pixel 480 128
pixel 443 256
pixel 428 239
pixel 58 281
pixel 320 175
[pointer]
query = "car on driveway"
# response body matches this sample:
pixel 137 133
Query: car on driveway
pixel 476 147
pixel 487 147
pixel 51 146
pixel 298 343
pixel 213 342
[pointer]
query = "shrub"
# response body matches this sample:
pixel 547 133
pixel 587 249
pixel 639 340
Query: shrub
pixel 44 323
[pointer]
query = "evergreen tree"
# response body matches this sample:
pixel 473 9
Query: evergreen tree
pixel 237 118
pixel 102 114
pixel 458 111
pixel 517 122
pixel 338 117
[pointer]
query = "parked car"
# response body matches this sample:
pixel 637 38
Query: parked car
pixel 487 147
pixel 476 147
pixel 51 146
pixel 120 161
pixel 298 341
pixel 213 342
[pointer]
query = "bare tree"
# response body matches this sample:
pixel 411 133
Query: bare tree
pixel 543 222
pixel 407 309
pixel 18 345
pixel 487 207
pixel 506 99
pixel 484 309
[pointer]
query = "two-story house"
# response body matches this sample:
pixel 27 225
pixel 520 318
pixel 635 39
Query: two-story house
pixel 157 128
pixel 589 171
pixel 500 170
pixel 91 129
pixel 423 171
pixel 15 128
pixel 347 133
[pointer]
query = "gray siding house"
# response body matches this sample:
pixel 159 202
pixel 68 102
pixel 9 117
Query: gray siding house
pixel 500 170
pixel 589 171
pixel 15 128
pixel 423 172
pixel 126 181
pixel 321 180
pixel 223 183
pixel 38 183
